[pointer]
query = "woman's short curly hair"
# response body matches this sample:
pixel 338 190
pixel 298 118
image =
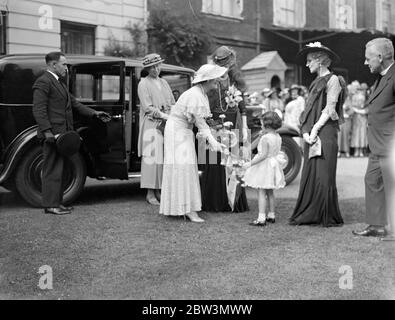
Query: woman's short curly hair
pixel 271 119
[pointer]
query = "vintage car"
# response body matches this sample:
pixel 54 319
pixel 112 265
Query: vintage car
pixel 108 150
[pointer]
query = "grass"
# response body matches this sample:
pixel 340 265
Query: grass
pixel 122 249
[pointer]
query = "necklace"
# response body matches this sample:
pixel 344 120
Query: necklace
pixel 220 101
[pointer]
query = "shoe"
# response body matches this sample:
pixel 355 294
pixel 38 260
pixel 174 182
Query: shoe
pixel 389 237
pixel 258 223
pixel 66 208
pixel 56 211
pixel 271 217
pixel 371 232
pixel 193 216
pixel 153 201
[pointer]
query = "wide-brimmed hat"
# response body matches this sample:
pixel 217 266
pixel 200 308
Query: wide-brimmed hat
pixel 208 72
pixel 267 92
pixel 151 60
pixel 223 56
pixel 315 47
pixel 68 143
pixel 295 87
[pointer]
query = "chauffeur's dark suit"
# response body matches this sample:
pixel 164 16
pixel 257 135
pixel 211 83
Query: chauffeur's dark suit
pixel 53 110
pixel 381 126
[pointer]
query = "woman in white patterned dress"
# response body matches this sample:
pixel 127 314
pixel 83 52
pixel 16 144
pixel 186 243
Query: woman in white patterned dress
pixel 180 187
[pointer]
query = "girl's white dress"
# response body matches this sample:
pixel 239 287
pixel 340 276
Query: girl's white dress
pixel 267 174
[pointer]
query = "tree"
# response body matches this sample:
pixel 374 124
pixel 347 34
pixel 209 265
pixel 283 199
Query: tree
pixel 117 48
pixel 180 41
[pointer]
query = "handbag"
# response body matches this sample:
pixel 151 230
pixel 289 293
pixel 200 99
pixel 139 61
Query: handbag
pixel 315 149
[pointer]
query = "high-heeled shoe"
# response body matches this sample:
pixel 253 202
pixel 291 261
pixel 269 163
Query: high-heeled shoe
pixel 193 216
pixel 258 223
pixel 153 201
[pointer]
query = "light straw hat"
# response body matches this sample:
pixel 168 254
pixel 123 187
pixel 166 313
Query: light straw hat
pixel 151 60
pixel 208 72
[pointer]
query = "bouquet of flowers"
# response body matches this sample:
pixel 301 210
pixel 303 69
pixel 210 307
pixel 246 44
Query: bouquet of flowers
pixel 233 97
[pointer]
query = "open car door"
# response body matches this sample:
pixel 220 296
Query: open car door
pixel 101 86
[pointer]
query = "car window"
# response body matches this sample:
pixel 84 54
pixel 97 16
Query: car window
pixel 97 82
pixel 90 87
pixel 178 82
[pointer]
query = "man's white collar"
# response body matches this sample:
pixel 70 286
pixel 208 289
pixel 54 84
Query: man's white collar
pixel 54 74
pixel 384 72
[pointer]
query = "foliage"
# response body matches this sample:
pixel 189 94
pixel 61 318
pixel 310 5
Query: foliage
pixel 179 40
pixel 118 48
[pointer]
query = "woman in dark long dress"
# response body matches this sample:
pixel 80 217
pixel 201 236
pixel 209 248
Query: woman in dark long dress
pixel 214 192
pixel 317 202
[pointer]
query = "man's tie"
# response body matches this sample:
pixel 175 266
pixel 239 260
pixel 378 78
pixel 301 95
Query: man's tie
pixel 379 77
pixel 63 86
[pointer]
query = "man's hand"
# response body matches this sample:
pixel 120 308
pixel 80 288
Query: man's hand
pixel 49 137
pixel 103 116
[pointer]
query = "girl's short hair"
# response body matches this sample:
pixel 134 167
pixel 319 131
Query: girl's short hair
pixel 271 119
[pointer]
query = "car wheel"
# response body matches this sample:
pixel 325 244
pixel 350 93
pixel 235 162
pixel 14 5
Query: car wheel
pixel 28 177
pixel 293 156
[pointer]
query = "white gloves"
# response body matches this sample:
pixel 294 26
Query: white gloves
pixel 214 144
pixel 318 125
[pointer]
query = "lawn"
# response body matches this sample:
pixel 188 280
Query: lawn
pixel 125 250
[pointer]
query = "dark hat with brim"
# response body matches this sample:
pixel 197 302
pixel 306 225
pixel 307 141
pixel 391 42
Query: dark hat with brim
pixel 68 143
pixel 223 56
pixel 315 47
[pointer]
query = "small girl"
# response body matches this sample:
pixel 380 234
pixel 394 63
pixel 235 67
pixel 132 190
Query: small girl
pixel 264 172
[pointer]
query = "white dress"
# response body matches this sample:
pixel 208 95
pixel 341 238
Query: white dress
pixel 267 174
pixel 180 186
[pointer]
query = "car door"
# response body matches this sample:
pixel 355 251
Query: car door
pixel 101 86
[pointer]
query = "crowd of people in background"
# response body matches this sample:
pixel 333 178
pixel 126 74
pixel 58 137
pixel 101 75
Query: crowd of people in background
pixel 289 103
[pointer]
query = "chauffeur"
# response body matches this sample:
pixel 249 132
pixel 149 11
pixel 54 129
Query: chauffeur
pixel 53 108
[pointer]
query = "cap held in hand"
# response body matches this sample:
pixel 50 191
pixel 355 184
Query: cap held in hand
pixel 68 143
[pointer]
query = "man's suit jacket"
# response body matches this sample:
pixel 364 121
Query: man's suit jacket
pixel 381 117
pixel 53 106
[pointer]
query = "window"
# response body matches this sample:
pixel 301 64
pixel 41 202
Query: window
pixel 342 14
pixel 289 13
pixel 228 8
pixel 77 38
pixel 383 15
pixel 3 22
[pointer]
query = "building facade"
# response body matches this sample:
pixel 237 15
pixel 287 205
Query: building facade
pixel 254 26
pixel 73 26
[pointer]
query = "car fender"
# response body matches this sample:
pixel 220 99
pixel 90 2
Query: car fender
pixel 285 130
pixel 16 149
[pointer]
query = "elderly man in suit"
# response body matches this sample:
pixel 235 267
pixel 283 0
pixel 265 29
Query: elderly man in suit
pixel 53 108
pixel 381 125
